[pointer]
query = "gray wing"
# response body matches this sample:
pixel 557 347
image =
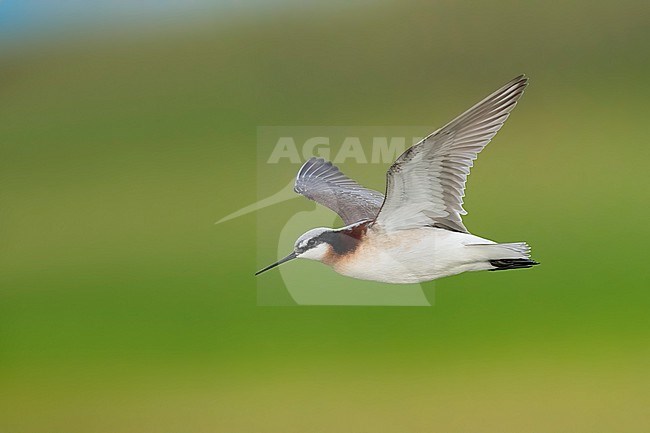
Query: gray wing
pixel 426 185
pixel 324 183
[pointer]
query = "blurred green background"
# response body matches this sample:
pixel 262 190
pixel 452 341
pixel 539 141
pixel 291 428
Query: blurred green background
pixel 123 308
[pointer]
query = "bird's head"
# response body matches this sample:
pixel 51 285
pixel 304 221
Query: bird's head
pixel 311 245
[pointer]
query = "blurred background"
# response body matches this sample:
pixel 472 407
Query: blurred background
pixel 128 128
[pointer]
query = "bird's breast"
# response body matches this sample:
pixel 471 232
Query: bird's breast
pixel 379 256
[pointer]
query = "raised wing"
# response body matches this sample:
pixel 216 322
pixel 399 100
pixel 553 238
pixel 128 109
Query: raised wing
pixel 324 183
pixel 426 185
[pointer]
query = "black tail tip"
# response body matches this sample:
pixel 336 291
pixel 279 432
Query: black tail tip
pixel 505 264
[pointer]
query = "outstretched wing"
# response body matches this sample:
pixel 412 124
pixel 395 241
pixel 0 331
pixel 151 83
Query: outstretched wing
pixel 426 185
pixel 323 182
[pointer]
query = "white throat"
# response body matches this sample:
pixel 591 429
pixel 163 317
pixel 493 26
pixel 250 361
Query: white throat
pixel 316 253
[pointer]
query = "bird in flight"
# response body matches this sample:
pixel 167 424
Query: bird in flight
pixel 415 232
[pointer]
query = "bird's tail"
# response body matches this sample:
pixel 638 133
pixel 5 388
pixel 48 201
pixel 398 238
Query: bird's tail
pixel 506 256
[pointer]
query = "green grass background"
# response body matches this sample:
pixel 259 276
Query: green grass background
pixel 123 308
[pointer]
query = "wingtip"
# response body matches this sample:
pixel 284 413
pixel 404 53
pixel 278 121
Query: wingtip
pixel 311 162
pixel 521 79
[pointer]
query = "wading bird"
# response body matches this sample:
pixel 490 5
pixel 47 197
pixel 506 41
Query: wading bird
pixel 415 233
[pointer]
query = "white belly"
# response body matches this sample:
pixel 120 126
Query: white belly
pixel 413 256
